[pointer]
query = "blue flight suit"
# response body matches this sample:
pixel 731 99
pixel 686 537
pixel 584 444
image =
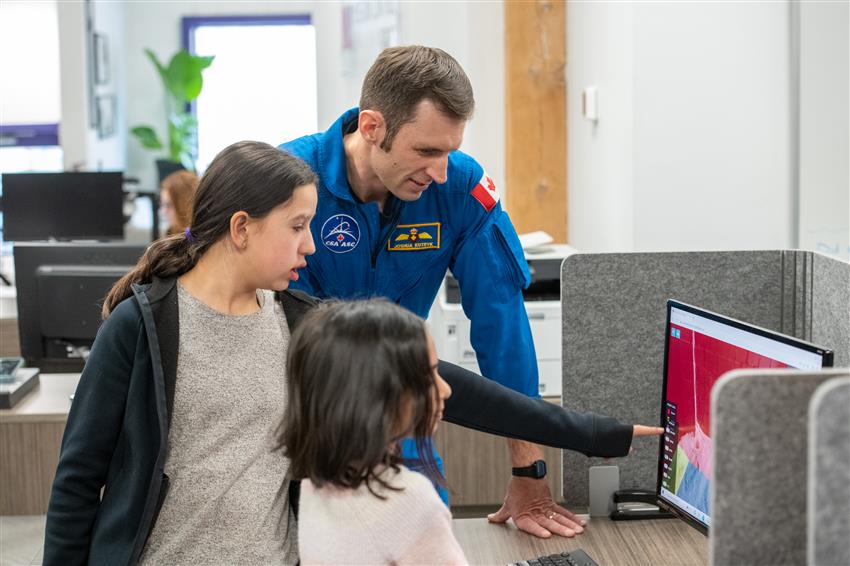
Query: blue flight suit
pixel 403 252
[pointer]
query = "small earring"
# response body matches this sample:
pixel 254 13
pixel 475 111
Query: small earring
pixel 244 244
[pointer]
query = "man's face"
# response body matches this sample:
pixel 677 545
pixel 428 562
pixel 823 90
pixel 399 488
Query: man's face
pixel 419 153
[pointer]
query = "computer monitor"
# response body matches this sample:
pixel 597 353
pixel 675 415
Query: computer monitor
pixel 701 346
pixel 60 288
pixel 63 206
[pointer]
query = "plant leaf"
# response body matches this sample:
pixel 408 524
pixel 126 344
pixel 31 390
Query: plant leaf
pixel 196 65
pixel 175 141
pixel 147 137
pixel 203 61
pixel 178 76
pixel 184 75
pixel 160 69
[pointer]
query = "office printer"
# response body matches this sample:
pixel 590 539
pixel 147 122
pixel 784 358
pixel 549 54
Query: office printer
pixel 450 327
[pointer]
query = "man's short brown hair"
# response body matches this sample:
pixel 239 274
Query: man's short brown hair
pixel 401 77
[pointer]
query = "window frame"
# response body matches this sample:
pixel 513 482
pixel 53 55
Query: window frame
pixel 189 24
pixel 29 135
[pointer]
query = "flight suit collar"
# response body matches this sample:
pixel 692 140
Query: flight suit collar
pixel 332 165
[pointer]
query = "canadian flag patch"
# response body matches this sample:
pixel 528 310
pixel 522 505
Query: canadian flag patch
pixel 486 193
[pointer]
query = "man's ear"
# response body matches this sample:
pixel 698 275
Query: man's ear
pixel 372 126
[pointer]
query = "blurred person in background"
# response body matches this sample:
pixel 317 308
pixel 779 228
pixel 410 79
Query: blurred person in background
pixel 176 194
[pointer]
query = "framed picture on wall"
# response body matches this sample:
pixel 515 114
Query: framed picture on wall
pixel 105 105
pixel 101 59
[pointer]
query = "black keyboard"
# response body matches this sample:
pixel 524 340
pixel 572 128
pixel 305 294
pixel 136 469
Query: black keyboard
pixel 574 558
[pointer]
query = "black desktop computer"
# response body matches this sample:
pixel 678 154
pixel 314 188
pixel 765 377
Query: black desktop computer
pixel 63 206
pixel 61 287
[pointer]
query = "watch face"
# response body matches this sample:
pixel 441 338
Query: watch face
pixel 539 469
pixel 535 470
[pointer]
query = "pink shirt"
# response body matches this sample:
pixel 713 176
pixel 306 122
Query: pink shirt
pixel 352 526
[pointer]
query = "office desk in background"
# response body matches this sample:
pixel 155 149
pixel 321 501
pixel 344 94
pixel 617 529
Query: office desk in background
pixel 30 438
pixel 660 542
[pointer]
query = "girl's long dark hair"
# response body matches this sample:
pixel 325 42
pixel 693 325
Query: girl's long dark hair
pixel 247 176
pixel 355 371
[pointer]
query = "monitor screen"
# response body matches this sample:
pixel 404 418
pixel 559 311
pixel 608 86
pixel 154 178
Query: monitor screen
pixel 700 347
pixel 61 286
pixel 63 206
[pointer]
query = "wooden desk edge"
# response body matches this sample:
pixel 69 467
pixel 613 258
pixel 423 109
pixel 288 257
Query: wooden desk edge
pixel 664 541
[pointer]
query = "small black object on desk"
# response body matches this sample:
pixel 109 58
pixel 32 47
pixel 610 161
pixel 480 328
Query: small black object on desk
pixel 636 504
pixel 15 386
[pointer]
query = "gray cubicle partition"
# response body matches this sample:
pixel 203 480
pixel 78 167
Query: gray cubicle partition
pixel 829 303
pixel 613 327
pixel 759 428
pixel 829 474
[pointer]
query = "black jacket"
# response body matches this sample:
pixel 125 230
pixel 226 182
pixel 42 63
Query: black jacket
pixel 117 431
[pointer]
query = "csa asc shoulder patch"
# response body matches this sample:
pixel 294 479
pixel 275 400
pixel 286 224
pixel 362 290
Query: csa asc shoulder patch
pixel 415 237
pixel 340 233
pixel 485 192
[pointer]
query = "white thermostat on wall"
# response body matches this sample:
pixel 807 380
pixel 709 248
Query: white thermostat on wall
pixel 588 104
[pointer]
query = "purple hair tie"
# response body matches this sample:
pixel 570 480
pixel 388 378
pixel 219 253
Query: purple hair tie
pixel 189 237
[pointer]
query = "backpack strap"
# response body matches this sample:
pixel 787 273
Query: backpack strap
pixel 295 305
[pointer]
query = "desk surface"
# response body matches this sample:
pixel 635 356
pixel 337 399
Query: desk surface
pixel 658 542
pixel 49 402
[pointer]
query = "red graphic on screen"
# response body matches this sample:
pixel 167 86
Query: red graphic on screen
pixel 695 363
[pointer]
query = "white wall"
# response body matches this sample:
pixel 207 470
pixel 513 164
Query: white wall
pixel 600 210
pixel 692 148
pixel 73 66
pixel 474 34
pixel 82 148
pixel 712 126
pixel 825 127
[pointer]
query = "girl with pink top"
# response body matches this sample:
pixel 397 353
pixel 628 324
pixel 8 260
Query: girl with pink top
pixel 362 376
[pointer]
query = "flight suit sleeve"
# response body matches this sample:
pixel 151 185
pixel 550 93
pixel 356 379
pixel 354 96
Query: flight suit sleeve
pixel 492 272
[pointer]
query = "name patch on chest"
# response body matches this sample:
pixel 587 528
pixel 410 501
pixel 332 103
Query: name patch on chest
pixel 340 233
pixel 415 237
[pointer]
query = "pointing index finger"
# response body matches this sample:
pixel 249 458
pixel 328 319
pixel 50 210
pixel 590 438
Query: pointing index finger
pixel 641 430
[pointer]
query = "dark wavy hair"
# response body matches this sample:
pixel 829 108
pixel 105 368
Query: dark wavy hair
pixel 355 371
pixel 246 176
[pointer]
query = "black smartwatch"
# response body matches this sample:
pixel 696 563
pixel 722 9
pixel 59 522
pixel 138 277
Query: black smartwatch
pixel 536 470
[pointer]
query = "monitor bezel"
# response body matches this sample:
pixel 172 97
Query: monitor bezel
pixel 825 353
pixel 28 258
pixel 105 223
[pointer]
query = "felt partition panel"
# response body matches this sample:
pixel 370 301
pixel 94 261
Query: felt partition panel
pixel 759 430
pixel 829 473
pixel 613 335
pixel 792 309
pixel 613 308
pixel 830 306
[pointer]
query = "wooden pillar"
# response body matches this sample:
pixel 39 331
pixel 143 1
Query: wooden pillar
pixel 535 116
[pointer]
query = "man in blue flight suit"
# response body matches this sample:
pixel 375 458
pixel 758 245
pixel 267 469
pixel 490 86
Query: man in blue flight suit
pixel 399 205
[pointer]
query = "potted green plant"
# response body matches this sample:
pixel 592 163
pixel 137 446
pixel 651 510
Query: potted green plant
pixel 182 81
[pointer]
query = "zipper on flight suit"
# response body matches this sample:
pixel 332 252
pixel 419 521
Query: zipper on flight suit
pixel 387 224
